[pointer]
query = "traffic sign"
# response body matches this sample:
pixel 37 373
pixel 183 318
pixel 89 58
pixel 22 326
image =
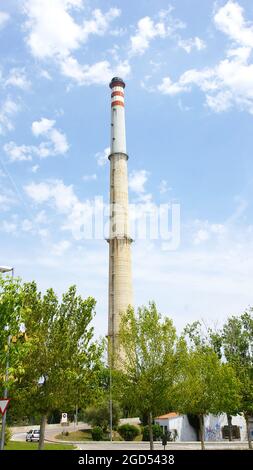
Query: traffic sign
pixel 64 418
pixel 4 402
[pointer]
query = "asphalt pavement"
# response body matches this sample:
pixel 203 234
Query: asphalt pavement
pixel 19 434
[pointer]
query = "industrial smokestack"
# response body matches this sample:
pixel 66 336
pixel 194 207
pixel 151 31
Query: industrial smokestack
pixel 120 275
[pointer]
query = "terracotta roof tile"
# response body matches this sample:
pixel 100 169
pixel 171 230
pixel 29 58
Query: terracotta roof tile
pixel 168 416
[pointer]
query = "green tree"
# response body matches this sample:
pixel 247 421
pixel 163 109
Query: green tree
pixel 201 336
pixel 237 345
pixel 64 360
pixel 99 415
pixel 203 384
pixel 13 344
pixel 146 361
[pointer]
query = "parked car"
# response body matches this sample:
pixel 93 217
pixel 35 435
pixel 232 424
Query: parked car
pixel 33 435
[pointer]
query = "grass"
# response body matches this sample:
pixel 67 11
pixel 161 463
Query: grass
pixel 15 445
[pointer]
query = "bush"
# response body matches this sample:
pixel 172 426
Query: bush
pixel 128 431
pixel 97 433
pixel 157 432
pixel 7 435
pixel 100 415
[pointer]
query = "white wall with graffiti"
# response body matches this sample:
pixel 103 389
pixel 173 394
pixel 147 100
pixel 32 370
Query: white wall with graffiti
pixel 215 427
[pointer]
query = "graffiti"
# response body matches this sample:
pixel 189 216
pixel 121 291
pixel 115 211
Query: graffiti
pixel 212 433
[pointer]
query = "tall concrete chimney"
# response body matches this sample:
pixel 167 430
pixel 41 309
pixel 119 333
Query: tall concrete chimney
pixel 120 275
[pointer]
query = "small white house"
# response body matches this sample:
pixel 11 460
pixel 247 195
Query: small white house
pixel 178 425
pixel 215 427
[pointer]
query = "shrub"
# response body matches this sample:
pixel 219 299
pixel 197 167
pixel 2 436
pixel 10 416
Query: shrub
pixel 100 415
pixel 128 431
pixel 157 432
pixel 7 435
pixel 97 433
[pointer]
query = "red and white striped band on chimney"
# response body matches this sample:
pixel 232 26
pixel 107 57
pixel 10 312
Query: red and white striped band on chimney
pixel 117 86
pixel 117 96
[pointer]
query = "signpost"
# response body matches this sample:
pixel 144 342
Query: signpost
pixel 164 440
pixel 64 422
pixel 4 402
pixel 64 418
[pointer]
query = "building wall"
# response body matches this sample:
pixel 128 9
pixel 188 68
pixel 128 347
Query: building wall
pixel 185 432
pixel 213 427
pixel 214 424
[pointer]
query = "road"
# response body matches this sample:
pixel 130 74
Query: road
pixel 19 434
pixel 158 446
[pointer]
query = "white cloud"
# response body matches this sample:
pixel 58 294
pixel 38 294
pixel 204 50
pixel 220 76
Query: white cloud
pixel 35 168
pixel 201 236
pixel 18 153
pixel 27 225
pixel 137 181
pixel 102 157
pixel 204 231
pixel 59 39
pixel 167 87
pixel 230 82
pixel 63 200
pixel 193 43
pixel 163 187
pixel 7 199
pixel 4 18
pixel 8 227
pixel 63 196
pixel 214 280
pixel 42 127
pixel 55 145
pixel 230 20
pixel 97 73
pixel 17 78
pixel 49 38
pixel 59 142
pixel 45 74
pixel 148 29
pixel 41 217
pixel 60 248
pixel 99 23
pixel 220 102
pixel 92 177
pixel 7 111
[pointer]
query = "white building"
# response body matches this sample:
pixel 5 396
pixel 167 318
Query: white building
pixel 215 427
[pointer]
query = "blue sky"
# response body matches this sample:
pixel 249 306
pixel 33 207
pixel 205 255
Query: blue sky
pixel 189 112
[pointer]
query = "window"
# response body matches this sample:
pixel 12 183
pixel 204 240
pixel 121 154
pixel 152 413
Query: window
pixel 235 432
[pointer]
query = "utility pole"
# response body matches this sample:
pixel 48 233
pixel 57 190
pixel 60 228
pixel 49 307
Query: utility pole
pixel 110 403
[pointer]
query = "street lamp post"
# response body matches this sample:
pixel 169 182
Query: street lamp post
pixel 110 404
pixel 109 356
pixel 6 269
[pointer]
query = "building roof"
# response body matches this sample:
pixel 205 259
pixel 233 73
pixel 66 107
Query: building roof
pixel 168 416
